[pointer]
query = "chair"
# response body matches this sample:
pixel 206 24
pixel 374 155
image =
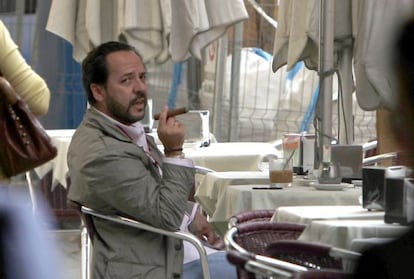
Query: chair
pixel 88 232
pixel 256 266
pixel 322 274
pixel 251 216
pixel 31 191
pixel 396 158
pixel 87 215
pixel 256 236
pixel 313 255
pixel 246 248
pixel 252 238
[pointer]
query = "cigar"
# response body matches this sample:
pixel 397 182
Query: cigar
pixel 173 112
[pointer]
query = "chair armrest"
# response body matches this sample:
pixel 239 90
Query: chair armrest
pixel 369 145
pixel 378 158
pixel 231 244
pixel 139 225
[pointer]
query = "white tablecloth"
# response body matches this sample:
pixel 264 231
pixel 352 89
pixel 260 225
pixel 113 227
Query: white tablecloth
pixel 61 139
pixel 340 233
pixel 239 198
pixel 306 214
pixel 232 156
pixel 214 184
pixel 237 156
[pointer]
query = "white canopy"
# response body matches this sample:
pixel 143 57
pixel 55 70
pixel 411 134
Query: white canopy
pixel 157 28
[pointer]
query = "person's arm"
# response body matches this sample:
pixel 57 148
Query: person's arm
pixel 26 82
pixel 201 228
pixel 196 223
pixel 120 178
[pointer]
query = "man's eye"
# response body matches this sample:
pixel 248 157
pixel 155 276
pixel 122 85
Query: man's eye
pixel 125 80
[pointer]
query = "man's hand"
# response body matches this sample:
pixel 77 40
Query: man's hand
pixel 170 132
pixel 201 228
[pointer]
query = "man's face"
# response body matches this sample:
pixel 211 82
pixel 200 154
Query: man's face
pixel 124 97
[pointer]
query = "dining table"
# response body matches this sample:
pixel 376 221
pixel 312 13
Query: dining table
pixel 240 198
pixel 218 156
pixel 211 187
pixel 343 233
pixel 349 227
pixel 232 156
pixel 307 214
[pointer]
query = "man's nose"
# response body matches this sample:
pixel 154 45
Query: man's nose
pixel 140 85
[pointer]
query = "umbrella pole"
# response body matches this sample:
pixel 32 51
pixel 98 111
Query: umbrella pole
pixel 323 114
pixel 346 121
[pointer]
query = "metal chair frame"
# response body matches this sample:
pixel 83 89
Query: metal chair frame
pixel 32 193
pixel 88 233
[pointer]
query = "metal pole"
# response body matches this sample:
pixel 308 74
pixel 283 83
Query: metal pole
pixel 218 86
pixel 323 119
pixel 193 82
pixel 234 85
pixel 346 120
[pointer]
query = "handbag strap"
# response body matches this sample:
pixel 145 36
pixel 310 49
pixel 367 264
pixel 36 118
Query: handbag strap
pixel 7 91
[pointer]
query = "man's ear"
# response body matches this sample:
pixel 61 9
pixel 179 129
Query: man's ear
pixel 97 91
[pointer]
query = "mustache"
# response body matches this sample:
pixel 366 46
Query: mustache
pixel 139 96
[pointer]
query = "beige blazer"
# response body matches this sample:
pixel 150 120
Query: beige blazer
pixel 110 173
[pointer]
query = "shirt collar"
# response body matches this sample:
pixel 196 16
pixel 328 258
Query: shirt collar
pixel 134 131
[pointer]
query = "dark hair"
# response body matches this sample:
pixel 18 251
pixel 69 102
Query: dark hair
pixel 94 66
